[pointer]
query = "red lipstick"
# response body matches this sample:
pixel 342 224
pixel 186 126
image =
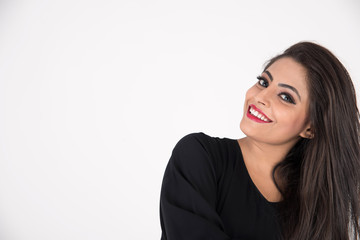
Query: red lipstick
pixel 254 118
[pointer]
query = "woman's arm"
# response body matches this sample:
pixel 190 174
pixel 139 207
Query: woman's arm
pixel 189 193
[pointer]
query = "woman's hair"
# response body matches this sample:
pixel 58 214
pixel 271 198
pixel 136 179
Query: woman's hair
pixel 321 176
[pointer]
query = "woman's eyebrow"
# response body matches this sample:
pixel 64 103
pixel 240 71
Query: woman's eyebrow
pixel 291 88
pixel 269 74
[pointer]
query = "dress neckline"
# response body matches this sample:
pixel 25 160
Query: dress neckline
pixel 249 177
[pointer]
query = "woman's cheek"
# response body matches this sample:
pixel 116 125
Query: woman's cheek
pixel 291 121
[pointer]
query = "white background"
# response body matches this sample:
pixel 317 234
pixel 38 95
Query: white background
pixel 95 94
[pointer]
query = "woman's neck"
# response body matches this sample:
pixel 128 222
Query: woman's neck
pixel 262 154
pixel 260 160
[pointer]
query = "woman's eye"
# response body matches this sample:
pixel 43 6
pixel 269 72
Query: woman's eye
pixel 286 98
pixel 262 81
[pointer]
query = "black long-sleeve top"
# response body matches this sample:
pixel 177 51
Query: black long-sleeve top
pixel 207 193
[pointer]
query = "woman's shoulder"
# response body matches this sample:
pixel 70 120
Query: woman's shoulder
pixel 200 141
pixel 194 139
pixel 200 148
pixel 192 145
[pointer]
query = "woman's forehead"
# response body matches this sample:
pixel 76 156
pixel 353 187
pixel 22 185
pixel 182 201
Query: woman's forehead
pixel 287 70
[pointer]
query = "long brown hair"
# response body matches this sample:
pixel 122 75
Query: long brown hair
pixel 321 194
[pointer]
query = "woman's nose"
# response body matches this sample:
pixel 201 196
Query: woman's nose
pixel 263 97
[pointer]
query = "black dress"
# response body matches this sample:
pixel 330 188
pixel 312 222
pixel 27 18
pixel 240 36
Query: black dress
pixel 207 193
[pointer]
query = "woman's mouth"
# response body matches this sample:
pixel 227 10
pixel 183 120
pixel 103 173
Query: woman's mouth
pixel 256 115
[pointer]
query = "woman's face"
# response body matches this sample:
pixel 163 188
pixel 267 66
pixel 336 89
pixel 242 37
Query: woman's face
pixel 281 97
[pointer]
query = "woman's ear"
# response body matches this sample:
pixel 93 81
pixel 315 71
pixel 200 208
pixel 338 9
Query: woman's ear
pixel 307 133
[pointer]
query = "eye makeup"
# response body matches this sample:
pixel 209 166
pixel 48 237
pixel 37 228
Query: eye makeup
pixel 287 98
pixel 263 82
pixel 280 84
pixel 291 88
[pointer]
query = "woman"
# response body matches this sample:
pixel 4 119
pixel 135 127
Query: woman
pixel 296 173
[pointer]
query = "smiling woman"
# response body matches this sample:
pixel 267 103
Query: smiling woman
pixel 296 173
pixel 277 96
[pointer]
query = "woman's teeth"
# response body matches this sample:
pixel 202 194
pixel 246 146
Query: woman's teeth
pixel 258 115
